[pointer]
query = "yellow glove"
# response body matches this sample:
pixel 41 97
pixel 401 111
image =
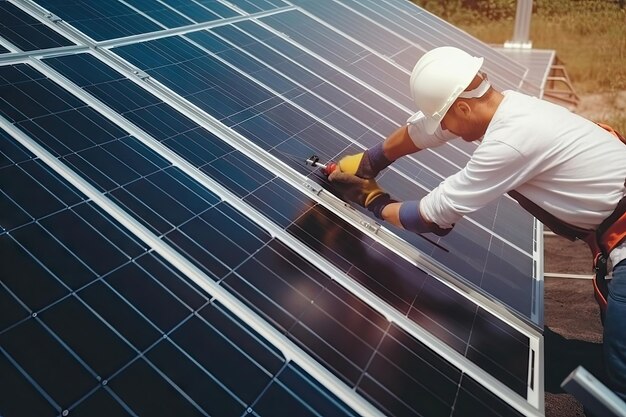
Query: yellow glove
pixel 365 164
pixel 364 192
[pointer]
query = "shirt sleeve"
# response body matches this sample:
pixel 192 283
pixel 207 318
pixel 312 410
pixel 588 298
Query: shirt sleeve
pixel 494 169
pixel 421 139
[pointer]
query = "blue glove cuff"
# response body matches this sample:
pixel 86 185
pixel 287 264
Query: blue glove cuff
pixel 377 158
pixel 411 219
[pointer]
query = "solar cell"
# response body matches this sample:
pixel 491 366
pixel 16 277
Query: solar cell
pixel 208 212
pixel 101 20
pixel 26 32
pixel 161 13
pixel 202 11
pixel 250 6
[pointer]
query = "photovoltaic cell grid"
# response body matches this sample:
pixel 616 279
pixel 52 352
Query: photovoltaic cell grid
pixel 306 97
pixel 102 19
pixel 270 196
pixel 117 262
pixel 26 32
pixel 301 114
pixel 110 320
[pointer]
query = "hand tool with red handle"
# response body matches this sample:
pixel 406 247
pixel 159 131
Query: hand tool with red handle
pixel 327 168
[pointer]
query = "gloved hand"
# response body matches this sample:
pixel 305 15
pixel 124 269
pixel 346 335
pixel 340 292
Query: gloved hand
pixel 364 192
pixel 365 164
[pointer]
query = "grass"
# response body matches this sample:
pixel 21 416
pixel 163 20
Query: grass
pixel 589 36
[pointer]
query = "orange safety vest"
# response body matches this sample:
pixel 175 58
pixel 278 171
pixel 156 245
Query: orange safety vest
pixel 610 234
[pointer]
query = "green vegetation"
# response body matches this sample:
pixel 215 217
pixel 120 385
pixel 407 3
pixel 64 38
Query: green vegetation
pixel 589 36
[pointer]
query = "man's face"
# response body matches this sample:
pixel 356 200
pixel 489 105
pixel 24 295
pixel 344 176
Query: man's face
pixel 460 121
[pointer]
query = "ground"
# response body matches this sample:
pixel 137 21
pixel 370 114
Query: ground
pixel 573 333
pixel 602 106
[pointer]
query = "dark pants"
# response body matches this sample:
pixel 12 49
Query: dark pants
pixel 615 331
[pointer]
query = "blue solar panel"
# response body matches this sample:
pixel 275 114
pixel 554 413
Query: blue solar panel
pixel 279 126
pixel 191 196
pixel 102 19
pixel 194 234
pixel 26 32
pixel 277 200
pixel 255 6
pixel 98 287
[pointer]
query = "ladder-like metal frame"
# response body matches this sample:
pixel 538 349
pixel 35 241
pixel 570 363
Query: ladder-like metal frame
pixel 559 86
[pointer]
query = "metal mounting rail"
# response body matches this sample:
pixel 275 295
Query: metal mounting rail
pixel 571 276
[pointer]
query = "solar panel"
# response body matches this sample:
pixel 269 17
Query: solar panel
pixel 26 32
pixel 101 20
pixel 165 169
pixel 539 63
pixel 312 126
pixel 154 324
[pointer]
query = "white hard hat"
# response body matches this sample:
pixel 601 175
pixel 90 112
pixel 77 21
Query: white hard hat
pixel 438 78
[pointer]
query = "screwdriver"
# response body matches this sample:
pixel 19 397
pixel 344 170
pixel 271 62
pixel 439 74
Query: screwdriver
pixel 327 168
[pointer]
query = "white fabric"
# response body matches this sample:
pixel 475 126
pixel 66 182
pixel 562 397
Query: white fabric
pixel 618 254
pixel 479 91
pixel 566 164
pixel 417 131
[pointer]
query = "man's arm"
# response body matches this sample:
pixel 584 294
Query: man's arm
pixel 399 143
pixel 391 214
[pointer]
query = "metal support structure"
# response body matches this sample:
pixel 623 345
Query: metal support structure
pixel 558 86
pixel 521 32
pixel 570 276
pixel 593 394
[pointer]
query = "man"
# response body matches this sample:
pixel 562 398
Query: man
pixel 567 166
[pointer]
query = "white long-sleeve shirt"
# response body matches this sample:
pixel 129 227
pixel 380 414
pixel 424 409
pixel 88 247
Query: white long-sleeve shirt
pixel 564 163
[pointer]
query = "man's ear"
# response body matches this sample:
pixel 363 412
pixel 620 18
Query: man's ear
pixel 462 108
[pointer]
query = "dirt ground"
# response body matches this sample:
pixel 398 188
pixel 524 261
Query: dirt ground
pixel 573 331
pixel 602 106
